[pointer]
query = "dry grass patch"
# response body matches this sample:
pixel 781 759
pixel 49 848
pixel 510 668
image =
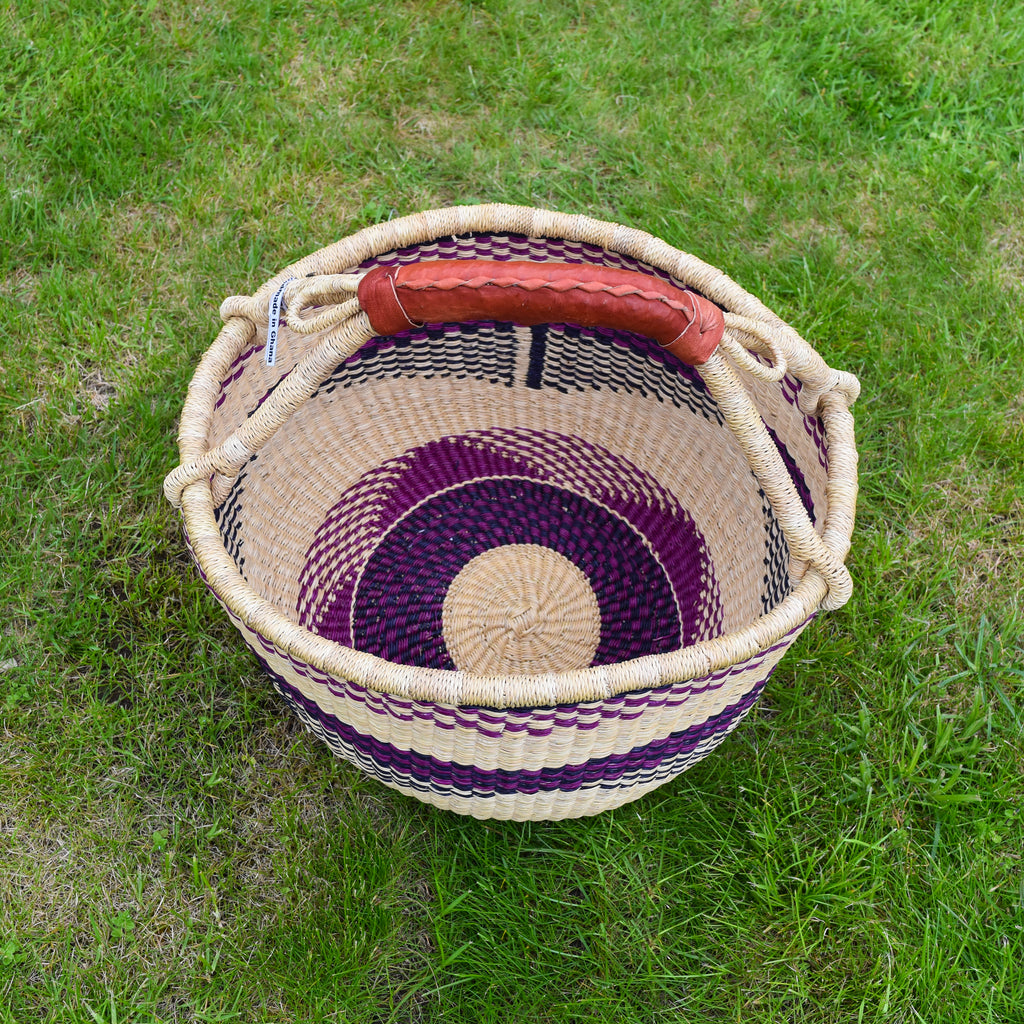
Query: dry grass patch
pixel 1007 248
pixel 143 229
pixel 979 536
pixel 20 286
pixel 99 392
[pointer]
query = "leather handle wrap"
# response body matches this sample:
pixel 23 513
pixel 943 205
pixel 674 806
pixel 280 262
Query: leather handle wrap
pixel 458 291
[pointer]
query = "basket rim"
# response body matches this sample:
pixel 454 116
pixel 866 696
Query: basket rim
pixel 825 392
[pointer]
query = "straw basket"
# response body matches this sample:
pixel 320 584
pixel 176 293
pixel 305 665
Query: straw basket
pixel 518 510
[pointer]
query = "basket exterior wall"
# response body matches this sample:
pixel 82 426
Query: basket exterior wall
pixel 544 763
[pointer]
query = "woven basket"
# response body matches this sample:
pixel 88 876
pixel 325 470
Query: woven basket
pixel 522 535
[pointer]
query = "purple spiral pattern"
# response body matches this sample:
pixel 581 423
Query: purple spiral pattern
pixel 380 564
pixel 398 605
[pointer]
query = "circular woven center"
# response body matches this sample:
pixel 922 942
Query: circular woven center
pixel 378 574
pixel 521 608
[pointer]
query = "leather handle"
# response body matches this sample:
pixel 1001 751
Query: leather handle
pixel 457 291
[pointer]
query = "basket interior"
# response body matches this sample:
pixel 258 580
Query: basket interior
pixel 505 499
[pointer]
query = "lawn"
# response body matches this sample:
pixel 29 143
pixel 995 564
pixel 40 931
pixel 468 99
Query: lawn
pixel 174 847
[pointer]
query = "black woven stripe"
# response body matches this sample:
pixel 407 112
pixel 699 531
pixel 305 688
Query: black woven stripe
pixel 538 348
pixel 474 351
pixel 229 518
pixel 582 359
pixel 776 581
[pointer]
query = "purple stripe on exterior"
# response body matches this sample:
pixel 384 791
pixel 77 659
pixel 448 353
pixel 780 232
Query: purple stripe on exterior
pixel 495 721
pixel 795 473
pixel 791 389
pixel 392 764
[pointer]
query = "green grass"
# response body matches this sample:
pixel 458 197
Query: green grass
pixel 175 848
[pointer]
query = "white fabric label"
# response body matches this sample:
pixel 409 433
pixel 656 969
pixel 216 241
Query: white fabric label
pixel 274 327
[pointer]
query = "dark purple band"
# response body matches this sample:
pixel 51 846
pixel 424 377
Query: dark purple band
pixel 658 759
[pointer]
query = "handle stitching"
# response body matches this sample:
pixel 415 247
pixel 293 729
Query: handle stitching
pixel 539 284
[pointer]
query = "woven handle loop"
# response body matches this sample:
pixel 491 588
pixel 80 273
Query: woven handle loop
pixel 762 454
pixel 336 292
pixel 743 334
pixel 228 458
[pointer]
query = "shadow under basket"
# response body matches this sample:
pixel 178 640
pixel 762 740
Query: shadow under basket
pixel 518 510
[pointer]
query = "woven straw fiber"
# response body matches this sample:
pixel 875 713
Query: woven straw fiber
pixel 517 572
